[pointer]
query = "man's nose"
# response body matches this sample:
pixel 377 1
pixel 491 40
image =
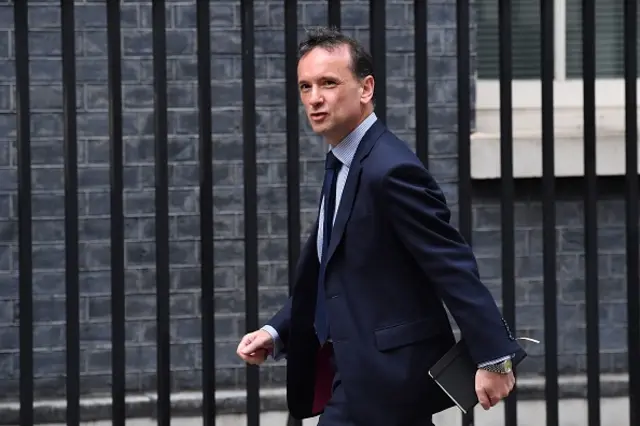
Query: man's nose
pixel 316 97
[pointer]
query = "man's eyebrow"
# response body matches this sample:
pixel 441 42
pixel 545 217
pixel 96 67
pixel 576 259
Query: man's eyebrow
pixel 322 77
pixel 330 77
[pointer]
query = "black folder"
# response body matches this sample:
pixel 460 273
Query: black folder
pixel 455 373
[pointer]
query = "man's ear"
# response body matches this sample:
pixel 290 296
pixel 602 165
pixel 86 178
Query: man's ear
pixel 366 89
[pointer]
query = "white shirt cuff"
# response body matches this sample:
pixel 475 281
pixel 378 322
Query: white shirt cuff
pixel 278 352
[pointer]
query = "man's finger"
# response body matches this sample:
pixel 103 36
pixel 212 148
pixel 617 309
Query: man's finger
pixel 483 398
pixel 494 398
pixel 252 346
pixel 505 391
pixel 249 357
pixel 245 340
pixel 243 344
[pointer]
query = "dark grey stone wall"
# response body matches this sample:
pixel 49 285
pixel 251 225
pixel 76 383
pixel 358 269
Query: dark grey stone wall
pixel 93 157
pixel 570 268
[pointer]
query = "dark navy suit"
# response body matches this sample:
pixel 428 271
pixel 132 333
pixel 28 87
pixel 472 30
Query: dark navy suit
pixel 393 260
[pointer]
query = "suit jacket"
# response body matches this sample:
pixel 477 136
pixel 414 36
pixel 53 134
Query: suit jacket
pixel 393 260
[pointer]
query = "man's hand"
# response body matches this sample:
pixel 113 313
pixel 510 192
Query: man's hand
pixel 254 347
pixel 491 387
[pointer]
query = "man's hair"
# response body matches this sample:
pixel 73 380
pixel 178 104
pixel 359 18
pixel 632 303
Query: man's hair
pixel 331 38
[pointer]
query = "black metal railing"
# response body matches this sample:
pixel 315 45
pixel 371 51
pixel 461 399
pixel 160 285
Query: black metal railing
pixel 71 243
pixel 206 214
pixel 465 205
pixel 422 130
pixel 549 213
pixel 118 366
pixel 25 238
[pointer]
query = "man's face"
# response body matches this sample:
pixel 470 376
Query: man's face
pixel 333 98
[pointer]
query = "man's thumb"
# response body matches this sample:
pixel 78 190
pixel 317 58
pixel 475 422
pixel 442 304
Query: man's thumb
pixel 252 346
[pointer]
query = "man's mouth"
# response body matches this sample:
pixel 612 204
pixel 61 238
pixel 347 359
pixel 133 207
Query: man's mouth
pixel 318 116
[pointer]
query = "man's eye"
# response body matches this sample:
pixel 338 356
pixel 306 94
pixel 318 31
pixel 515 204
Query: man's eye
pixel 329 83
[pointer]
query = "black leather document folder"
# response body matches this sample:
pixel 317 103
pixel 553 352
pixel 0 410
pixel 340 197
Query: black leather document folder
pixel 455 373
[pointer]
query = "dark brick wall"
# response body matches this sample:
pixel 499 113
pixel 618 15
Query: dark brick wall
pixel 570 268
pixel 48 180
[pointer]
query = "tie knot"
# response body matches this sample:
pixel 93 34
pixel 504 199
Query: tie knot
pixel 331 161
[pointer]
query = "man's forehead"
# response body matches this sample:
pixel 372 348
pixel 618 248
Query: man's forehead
pixel 335 59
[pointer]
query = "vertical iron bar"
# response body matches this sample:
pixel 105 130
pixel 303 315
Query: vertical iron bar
pixel 378 37
pixel 421 95
pixel 507 196
pixel 71 212
pixel 207 307
pixel 549 213
pixel 162 212
pixel 464 131
pixel 334 13
pixel 118 387
pixel 631 203
pixel 590 210
pixel 293 139
pixel 250 200
pixel 23 148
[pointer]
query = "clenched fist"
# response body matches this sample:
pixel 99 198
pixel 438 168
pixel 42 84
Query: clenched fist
pixel 254 347
pixel 491 387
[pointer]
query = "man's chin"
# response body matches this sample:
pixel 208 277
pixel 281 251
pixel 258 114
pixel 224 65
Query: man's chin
pixel 320 128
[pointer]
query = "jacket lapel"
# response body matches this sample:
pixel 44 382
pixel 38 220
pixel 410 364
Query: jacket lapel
pixel 351 185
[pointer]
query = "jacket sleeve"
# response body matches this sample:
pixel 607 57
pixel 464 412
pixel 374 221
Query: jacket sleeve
pixel 278 328
pixel 416 209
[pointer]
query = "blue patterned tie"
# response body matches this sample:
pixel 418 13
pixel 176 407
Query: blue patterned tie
pixel 332 166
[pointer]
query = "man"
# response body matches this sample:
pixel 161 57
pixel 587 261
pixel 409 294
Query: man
pixel 374 274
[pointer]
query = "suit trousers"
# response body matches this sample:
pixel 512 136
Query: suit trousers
pixel 336 412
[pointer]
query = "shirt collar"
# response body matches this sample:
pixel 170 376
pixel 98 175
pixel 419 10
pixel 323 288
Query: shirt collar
pixel 346 149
